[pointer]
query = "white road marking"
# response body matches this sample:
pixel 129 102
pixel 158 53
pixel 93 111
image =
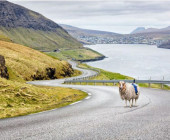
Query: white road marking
pixel 88 97
pixel 75 103
pixel 89 94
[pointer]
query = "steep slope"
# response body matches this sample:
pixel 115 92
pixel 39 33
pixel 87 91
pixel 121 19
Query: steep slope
pixel 29 28
pixel 24 63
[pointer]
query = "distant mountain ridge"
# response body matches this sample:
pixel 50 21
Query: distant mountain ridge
pixel 80 33
pixel 140 35
pixel 143 30
pixel 30 28
pixel 72 29
pixel 138 29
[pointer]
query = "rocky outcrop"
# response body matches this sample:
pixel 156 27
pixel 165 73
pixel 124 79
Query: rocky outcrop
pixel 51 73
pixel 3 68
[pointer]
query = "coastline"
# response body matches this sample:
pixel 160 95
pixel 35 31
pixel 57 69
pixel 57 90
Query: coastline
pixel 91 60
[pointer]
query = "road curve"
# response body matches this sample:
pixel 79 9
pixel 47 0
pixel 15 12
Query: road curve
pixel 100 116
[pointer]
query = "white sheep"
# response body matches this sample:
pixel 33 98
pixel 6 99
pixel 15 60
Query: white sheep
pixel 127 92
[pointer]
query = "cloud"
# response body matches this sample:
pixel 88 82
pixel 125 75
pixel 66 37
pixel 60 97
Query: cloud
pixel 104 15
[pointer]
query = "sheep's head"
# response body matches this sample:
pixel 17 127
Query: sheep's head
pixel 122 85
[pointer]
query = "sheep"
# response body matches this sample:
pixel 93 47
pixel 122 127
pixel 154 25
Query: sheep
pixel 127 92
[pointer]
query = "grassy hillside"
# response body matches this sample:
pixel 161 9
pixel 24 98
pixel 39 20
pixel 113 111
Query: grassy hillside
pixel 23 63
pixel 18 99
pixel 105 75
pixel 76 54
pixel 40 40
pixel 29 28
pixel 48 41
pixel 27 64
pixel 4 38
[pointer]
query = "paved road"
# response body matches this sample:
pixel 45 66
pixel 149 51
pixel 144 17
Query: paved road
pixel 99 117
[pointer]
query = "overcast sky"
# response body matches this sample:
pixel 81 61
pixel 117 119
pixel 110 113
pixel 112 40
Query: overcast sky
pixel 109 15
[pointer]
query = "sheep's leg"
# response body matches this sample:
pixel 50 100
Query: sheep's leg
pixel 132 102
pixel 126 102
pixel 135 102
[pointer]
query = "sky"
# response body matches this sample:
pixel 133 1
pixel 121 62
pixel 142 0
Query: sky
pixel 120 16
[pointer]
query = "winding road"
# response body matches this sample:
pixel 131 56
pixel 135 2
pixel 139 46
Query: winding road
pixel 101 116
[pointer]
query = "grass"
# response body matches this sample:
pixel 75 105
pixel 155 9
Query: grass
pixel 106 75
pixel 23 63
pixel 17 99
pixel 4 38
pixel 76 54
pixel 40 40
pixel 57 55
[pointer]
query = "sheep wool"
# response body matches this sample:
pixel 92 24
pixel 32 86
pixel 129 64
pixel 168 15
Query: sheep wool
pixel 127 92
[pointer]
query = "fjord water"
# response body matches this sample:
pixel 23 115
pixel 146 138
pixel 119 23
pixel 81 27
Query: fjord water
pixel 137 60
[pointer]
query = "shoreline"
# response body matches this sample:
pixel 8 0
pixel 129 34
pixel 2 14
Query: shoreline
pixel 92 60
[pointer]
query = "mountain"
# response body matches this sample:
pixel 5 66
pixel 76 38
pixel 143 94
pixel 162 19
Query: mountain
pixel 142 30
pixel 80 31
pixel 137 30
pixel 85 35
pixel 29 28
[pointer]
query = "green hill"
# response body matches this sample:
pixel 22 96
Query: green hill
pixel 26 27
pixel 23 63
pixel 28 64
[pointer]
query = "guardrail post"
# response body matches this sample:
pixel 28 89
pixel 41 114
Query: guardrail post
pixel 149 83
pixel 113 83
pixel 94 83
pixel 162 86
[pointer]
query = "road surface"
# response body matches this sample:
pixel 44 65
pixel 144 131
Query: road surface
pixel 100 116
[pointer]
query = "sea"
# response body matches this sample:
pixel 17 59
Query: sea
pixel 136 60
